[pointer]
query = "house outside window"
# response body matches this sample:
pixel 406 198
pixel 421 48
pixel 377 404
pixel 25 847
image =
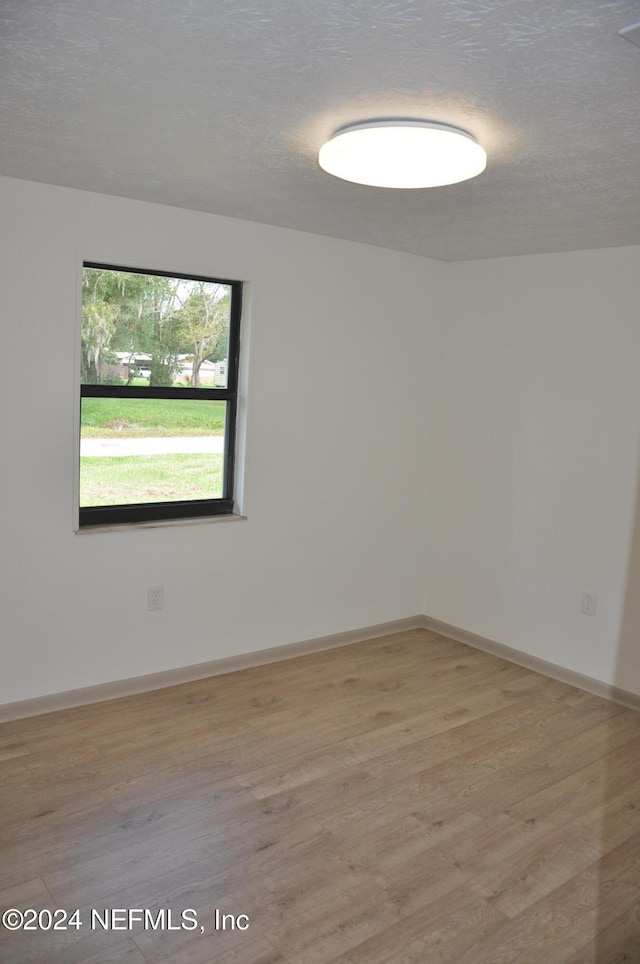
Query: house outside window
pixel 158 396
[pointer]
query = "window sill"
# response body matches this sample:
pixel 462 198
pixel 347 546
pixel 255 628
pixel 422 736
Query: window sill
pixel 161 524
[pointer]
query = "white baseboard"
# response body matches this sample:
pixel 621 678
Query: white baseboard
pixel 187 674
pixel 606 690
pixel 217 667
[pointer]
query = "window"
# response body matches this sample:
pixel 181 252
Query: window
pixel 158 396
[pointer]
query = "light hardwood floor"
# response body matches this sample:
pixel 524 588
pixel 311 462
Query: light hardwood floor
pixel 406 799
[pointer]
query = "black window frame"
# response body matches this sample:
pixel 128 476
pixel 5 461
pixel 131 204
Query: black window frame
pixel 106 515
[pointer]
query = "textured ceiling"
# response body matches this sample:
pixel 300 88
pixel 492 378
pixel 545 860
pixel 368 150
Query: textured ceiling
pixel 221 106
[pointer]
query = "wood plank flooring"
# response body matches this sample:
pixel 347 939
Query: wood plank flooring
pixel 407 800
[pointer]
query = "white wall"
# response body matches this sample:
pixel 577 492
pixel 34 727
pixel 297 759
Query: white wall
pixel 536 462
pixel 473 454
pixel 343 343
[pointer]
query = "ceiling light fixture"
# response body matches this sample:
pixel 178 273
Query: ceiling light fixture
pixel 402 154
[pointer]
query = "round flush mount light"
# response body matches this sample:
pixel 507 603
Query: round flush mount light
pixel 402 154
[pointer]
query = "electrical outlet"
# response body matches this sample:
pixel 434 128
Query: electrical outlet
pixel 589 603
pixel 155 597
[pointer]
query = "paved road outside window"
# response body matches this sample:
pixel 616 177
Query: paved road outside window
pixel 90 447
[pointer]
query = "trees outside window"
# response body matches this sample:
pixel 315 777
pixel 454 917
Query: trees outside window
pixel 159 383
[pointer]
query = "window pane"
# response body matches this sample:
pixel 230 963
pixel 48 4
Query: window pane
pixel 145 329
pixel 136 450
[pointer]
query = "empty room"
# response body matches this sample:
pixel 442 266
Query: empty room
pixel 320 436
